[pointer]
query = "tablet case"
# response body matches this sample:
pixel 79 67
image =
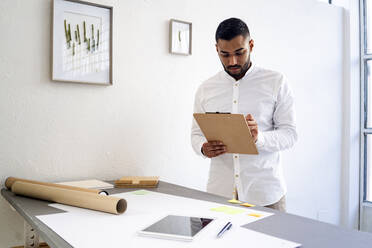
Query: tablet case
pixel 231 129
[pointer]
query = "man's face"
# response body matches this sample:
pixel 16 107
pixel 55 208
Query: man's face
pixel 235 55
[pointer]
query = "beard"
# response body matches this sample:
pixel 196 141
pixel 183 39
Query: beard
pixel 243 69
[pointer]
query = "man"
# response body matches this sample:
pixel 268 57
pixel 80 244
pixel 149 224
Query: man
pixel 266 100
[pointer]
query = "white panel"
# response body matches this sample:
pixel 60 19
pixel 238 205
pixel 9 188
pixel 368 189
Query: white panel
pixel 366 224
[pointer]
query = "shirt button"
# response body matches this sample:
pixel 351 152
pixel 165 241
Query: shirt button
pixel 236 85
pixel 236 156
pixel 236 175
pixel 234 101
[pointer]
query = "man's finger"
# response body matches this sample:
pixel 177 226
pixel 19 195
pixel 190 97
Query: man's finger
pixel 252 123
pixel 219 153
pixel 255 129
pixel 216 148
pixel 215 142
pixel 214 151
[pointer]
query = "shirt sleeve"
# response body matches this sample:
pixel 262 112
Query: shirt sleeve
pixel 197 137
pixel 284 134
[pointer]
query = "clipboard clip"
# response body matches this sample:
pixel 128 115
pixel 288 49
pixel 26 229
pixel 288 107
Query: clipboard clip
pixel 217 112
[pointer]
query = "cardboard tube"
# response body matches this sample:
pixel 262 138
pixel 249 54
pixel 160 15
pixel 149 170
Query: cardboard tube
pixel 10 180
pixel 75 198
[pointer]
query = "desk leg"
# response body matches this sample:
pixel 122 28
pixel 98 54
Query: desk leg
pixel 31 236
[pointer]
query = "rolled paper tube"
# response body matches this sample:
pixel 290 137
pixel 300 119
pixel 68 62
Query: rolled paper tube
pixel 108 204
pixel 10 180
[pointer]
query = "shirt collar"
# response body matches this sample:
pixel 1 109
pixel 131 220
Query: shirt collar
pixel 230 78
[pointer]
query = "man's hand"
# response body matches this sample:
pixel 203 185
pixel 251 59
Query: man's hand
pixel 252 124
pixel 213 149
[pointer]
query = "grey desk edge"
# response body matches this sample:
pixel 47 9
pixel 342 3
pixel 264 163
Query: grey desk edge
pixel 306 231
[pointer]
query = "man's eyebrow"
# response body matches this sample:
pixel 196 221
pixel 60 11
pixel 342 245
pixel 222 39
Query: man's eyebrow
pixel 237 50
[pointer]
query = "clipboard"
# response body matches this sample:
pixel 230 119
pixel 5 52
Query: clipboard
pixel 231 129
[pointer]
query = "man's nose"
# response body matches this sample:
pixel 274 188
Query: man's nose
pixel 232 60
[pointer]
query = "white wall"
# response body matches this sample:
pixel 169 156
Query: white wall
pixel 140 126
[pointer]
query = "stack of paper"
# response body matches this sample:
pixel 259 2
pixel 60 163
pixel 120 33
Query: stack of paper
pixel 89 184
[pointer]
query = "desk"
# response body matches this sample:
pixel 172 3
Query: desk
pixel 308 232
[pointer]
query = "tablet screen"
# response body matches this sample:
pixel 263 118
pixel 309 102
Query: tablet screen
pixel 178 225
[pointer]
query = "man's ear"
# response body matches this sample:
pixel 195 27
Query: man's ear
pixel 251 45
pixel 216 48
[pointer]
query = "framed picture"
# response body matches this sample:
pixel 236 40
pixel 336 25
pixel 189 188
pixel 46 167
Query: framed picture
pixel 180 37
pixel 82 42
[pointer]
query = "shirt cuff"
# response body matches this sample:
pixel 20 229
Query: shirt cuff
pixel 201 153
pixel 201 142
pixel 260 140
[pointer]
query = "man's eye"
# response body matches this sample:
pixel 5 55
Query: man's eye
pixel 224 55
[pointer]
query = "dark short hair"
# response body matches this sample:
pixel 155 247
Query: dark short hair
pixel 230 28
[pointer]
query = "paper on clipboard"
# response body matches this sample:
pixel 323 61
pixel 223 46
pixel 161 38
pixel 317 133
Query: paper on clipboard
pixel 231 129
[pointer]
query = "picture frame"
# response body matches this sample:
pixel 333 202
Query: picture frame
pixel 180 37
pixel 82 42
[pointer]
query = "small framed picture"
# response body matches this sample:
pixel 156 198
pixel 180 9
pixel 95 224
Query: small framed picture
pixel 180 37
pixel 82 42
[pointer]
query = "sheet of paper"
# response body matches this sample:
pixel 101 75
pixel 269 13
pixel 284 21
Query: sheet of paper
pixel 89 184
pixel 86 228
pixel 234 201
pixel 228 210
pixel 140 192
pixel 247 205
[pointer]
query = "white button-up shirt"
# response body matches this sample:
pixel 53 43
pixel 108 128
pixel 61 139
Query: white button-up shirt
pixel 266 95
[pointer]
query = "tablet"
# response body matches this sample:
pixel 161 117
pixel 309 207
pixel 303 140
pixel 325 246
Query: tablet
pixel 175 227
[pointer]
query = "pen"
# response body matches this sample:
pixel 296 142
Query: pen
pixel 224 229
